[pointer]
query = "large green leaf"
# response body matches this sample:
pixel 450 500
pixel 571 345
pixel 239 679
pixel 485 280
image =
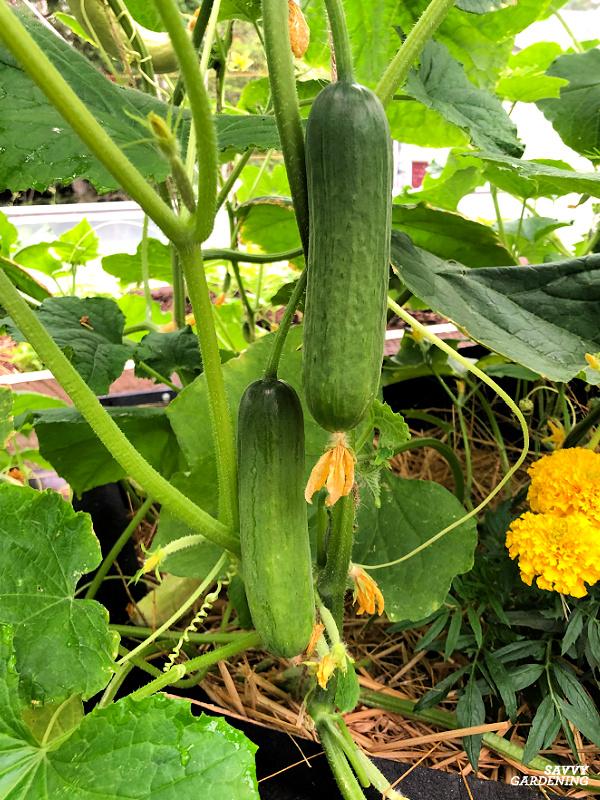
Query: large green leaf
pixel 525 80
pixel 270 223
pixel 450 235
pixel 24 281
pixel 75 452
pixel 127 267
pixel 189 413
pixel 411 512
pixel 90 332
pixel 538 178
pixel 413 123
pixel 482 6
pixel 544 317
pixel 145 13
pixel 63 645
pixel 575 114
pixel 441 84
pixel 39 149
pixel 152 748
pixel 459 177
pixel 246 10
pixel 168 352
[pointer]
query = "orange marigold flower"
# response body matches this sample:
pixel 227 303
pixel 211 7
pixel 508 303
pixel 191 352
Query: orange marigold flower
pixel 562 552
pixel 566 482
pixel 299 30
pixel 335 470
pixel 367 594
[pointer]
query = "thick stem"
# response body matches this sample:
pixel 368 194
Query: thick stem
pixel 197 37
pixel 285 103
pixel 284 326
pixel 333 581
pixel 43 73
pixel 229 254
pixel 138 632
pixel 178 290
pixel 344 777
pixel 206 137
pixel 220 415
pixel 113 553
pixel 111 436
pixel 341 40
pixel 412 47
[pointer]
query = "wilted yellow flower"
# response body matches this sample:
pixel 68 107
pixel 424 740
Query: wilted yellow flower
pixel 367 594
pixel 168 327
pixel 299 30
pixel 557 433
pixel 562 552
pixel 335 470
pixel 316 634
pixel 566 482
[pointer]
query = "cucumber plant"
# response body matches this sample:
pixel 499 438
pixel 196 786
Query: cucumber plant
pixel 250 519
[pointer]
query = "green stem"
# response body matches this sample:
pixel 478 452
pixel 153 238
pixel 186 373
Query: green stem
pixel 178 289
pixel 464 432
pixel 243 295
pixel 496 433
pixel 447 453
pixel 412 47
pixel 333 581
pixel 220 415
pixel 113 553
pixel 233 176
pixel 113 687
pixel 146 269
pixel 344 777
pixel 341 40
pixel 158 377
pixel 206 137
pixel 111 436
pixel 45 75
pixel 229 254
pixel 246 641
pixel 577 433
pixel 448 721
pixel 140 632
pixel 499 220
pixel 140 328
pixel 196 594
pixel 350 750
pixel 197 37
pixel 285 103
pixel 284 326
pixel 173 675
pixel 576 43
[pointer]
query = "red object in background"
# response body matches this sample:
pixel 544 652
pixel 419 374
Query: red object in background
pixel 419 168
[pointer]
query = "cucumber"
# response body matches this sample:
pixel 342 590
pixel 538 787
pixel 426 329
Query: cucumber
pixel 276 557
pixel 349 170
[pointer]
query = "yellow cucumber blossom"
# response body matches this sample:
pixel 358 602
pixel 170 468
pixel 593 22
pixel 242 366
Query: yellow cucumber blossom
pixel 557 433
pixel 593 360
pixel 152 563
pixel 367 594
pixel 562 552
pixel 335 470
pixel 336 658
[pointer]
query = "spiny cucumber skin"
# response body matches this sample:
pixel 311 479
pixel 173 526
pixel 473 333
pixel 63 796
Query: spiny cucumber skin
pixel 349 170
pixel 276 556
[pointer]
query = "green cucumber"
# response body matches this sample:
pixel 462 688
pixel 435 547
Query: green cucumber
pixel 276 557
pixel 349 170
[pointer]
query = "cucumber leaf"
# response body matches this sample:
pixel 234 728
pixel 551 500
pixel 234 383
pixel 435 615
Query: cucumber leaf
pixel 64 436
pixel 90 332
pixel 45 547
pixel 134 748
pixel 574 115
pixel 410 513
pixel 543 317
